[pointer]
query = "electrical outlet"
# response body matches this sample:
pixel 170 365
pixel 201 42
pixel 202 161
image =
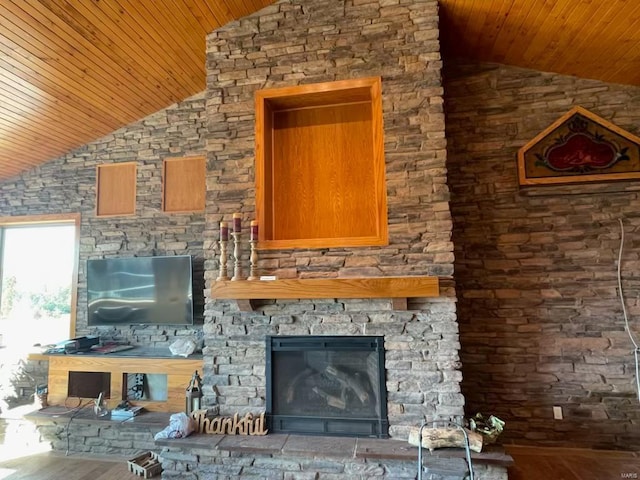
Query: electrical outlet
pixel 557 413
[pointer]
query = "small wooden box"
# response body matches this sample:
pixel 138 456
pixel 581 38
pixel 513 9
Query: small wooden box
pixel 146 465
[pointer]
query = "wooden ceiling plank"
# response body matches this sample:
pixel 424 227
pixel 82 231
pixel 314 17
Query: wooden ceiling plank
pixel 475 20
pixel 571 47
pixel 55 39
pixel 154 19
pixel 118 32
pixel 185 27
pixel 20 128
pixel 55 130
pixel 626 72
pixel 98 36
pixel 493 25
pixel 191 17
pixel 465 15
pixel 67 62
pixel 28 149
pixel 519 16
pixel 25 146
pixel 209 19
pixel 50 113
pixel 603 43
pixel 219 13
pixel 174 18
pixel 57 66
pixel 24 156
pixel 20 90
pixel 489 24
pixel 30 69
pixel 545 38
pixel 456 16
pixel 244 7
pixel 64 26
pixel 168 53
pixel 37 115
pixel 536 14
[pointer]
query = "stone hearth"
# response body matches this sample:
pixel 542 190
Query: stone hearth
pixel 292 457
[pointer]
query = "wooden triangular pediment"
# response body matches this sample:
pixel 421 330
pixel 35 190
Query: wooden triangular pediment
pixel 579 147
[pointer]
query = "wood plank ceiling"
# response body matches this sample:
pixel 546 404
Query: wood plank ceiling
pixel 598 39
pixel 72 71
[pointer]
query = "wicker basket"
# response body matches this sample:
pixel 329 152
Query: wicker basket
pixel 146 465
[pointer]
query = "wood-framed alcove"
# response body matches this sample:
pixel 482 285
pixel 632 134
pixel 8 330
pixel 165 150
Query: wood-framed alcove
pixel 116 189
pixel 320 170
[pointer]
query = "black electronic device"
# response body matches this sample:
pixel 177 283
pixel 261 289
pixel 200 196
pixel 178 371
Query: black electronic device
pixel 79 344
pixel 140 290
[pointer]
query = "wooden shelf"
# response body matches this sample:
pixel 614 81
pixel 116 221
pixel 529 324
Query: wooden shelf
pixel 320 170
pixel 395 288
pixel 178 370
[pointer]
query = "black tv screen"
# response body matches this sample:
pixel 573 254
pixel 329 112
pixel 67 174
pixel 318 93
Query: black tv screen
pixel 140 290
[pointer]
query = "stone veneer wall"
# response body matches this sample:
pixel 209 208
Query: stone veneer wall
pixel 307 41
pixel 540 321
pixel 67 185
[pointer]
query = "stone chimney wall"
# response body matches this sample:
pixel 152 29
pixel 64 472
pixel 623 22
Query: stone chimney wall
pixel 309 41
pixel 540 320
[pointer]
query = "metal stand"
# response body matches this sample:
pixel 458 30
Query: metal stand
pixel 253 259
pixel 223 261
pixel 237 270
pixel 446 423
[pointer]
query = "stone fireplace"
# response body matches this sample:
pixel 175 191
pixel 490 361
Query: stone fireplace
pixel 296 42
pixel 248 365
pixel 326 385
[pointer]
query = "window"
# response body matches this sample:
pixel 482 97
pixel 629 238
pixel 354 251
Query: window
pixel 38 279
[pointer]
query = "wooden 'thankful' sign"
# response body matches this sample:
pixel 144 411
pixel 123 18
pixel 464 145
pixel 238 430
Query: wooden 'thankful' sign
pixel 247 425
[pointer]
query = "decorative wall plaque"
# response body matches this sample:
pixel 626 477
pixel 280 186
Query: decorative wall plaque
pixel 579 147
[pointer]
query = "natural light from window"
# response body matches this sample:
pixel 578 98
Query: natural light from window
pixel 37 270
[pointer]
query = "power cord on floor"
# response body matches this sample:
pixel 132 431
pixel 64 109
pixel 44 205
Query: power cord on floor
pixel 74 414
pixel 624 310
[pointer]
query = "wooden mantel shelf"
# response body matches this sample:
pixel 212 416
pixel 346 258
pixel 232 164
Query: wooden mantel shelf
pixel 396 288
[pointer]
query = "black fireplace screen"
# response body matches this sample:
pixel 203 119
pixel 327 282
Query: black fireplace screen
pixel 326 385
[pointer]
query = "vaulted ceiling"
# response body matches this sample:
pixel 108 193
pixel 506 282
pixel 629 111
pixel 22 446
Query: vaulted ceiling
pixel 72 71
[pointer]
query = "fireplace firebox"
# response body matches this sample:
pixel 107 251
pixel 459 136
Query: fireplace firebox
pixel 326 385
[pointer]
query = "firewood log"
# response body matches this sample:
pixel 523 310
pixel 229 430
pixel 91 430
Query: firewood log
pixel 331 400
pixel 444 437
pixel 354 382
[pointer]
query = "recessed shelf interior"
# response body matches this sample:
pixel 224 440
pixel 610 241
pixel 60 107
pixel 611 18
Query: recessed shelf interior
pixel 183 184
pixel 116 189
pixel 145 386
pixel 320 178
pixel 89 384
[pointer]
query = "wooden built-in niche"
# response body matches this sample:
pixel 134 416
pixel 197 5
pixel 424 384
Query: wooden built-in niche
pixel 320 172
pixel 116 189
pixel 184 184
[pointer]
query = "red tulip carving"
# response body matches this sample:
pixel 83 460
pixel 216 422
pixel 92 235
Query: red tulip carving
pixel 581 153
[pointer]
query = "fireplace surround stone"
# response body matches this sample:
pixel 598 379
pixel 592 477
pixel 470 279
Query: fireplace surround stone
pixel 295 42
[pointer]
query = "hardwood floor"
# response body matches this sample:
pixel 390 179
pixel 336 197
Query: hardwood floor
pixel 531 463
pixel 55 466
pixel 538 463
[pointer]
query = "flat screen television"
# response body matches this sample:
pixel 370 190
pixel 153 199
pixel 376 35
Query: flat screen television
pixel 140 291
